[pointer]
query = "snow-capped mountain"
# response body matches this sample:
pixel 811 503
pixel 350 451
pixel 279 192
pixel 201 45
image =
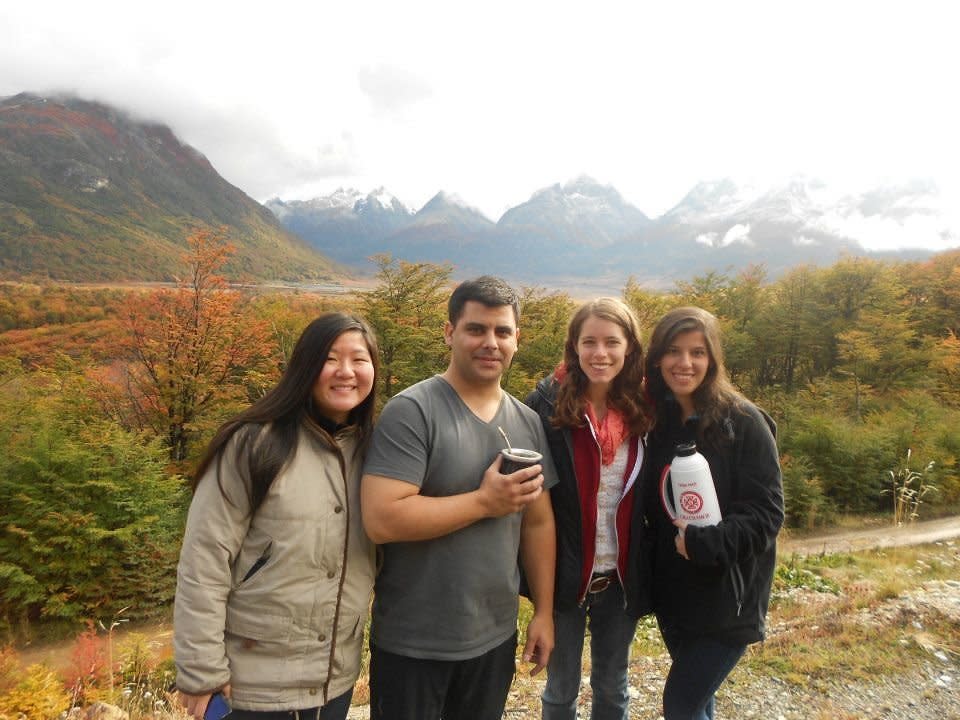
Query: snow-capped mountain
pixel 346 225
pixel 450 210
pixel 582 229
pixel 581 212
pixel 883 217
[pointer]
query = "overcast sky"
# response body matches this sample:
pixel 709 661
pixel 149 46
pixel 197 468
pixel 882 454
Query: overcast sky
pixel 495 100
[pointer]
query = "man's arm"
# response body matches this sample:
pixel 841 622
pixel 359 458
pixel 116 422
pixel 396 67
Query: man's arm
pixel 395 511
pixel 538 553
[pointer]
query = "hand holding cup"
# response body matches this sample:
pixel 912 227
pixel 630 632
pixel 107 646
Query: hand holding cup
pixel 516 458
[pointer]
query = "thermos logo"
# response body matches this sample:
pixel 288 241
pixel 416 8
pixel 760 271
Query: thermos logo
pixel 691 502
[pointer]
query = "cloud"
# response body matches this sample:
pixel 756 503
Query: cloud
pixel 428 95
pixel 739 233
pixel 390 88
pixel 878 232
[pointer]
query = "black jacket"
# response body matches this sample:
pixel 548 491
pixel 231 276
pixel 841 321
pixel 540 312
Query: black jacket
pixel 724 589
pixel 565 498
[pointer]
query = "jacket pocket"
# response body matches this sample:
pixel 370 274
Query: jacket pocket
pixel 255 553
pixel 346 659
pixel 257 647
pixel 258 563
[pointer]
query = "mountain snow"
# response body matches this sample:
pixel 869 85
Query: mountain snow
pixel 886 217
pixel 720 212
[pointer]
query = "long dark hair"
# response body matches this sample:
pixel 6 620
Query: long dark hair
pixel 716 397
pixel 287 405
pixel 625 391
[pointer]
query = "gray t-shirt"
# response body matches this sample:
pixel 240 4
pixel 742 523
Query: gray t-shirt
pixel 453 597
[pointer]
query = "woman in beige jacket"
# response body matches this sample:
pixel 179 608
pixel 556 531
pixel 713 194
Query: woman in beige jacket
pixel 275 571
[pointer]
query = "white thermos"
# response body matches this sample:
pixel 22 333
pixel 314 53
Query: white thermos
pixel 693 490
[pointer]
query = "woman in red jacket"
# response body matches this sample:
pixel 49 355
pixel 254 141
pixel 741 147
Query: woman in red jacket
pixel 593 411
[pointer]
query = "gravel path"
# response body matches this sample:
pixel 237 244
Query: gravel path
pixel 916 533
pixel 928 690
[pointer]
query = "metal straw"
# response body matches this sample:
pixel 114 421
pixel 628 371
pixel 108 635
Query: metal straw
pixel 505 438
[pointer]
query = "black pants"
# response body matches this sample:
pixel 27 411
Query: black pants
pixel 405 688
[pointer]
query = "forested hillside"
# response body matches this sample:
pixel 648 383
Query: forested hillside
pixel 88 193
pixel 108 396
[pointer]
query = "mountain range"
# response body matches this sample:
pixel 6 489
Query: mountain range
pixel 88 193
pixel 582 233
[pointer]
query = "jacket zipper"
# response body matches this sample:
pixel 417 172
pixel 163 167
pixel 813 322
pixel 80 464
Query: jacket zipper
pixel 736 579
pixel 616 530
pixel 343 571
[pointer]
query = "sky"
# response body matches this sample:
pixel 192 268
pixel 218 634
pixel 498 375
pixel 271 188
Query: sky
pixel 493 101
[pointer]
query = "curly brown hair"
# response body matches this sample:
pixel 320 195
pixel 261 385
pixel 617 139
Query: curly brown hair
pixel 626 392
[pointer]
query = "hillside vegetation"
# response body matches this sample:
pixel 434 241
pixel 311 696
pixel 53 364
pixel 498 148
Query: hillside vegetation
pixel 89 194
pixel 108 396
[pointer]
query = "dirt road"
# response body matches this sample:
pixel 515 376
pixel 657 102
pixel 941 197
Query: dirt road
pixel 916 533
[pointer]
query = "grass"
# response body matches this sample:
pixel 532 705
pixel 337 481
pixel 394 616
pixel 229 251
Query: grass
pixel 844 620
pixel 844 616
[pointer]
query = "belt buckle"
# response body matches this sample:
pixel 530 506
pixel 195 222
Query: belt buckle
pixel 599 584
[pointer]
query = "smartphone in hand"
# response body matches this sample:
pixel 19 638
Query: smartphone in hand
pixel 217 708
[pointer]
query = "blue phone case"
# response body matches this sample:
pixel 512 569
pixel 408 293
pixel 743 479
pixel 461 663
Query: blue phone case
pixel 217 708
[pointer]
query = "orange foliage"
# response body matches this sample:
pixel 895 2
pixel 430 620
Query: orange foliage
pixel 9 668
pixel 37 347
pixel 88 669
pixel 193 344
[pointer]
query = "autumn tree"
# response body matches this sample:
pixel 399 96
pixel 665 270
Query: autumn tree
pixel 648 306
pixel 787 331
pixel 544 317
pixel 933 290
pixel 192 345
pixel 407 309
pixel 882 350
pixel 946 361
pixel 740 302
pixel 705 291
pixel 285 315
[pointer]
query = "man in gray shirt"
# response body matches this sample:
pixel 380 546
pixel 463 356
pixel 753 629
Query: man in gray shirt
pixel 443 638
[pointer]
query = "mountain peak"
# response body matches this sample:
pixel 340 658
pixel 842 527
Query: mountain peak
pixel 445 201
pixel 107 196
pixel 584 182
pixel 379 200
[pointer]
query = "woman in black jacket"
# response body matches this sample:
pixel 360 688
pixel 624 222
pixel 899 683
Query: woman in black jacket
pixel 594 414
pixel 711 584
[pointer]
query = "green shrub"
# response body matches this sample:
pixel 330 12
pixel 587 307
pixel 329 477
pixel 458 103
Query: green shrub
pixel 806 505
pixel 90 520
pixel 798 574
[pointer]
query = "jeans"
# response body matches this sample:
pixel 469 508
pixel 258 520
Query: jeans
pixel 336 709
pixel 406 688
pixel 611 633
pixel 700 665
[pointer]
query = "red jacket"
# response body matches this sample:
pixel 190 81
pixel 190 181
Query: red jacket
pixel 574 500
pixel 586 464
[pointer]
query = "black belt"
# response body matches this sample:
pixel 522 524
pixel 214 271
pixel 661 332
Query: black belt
pixel 601 581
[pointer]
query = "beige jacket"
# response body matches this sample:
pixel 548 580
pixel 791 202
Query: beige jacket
pixel 276 604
